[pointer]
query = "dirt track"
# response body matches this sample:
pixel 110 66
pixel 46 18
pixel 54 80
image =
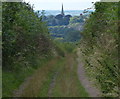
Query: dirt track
pixel 88 85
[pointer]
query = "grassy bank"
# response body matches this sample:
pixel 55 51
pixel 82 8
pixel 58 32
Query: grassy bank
pixel 99 47
pixel 12 80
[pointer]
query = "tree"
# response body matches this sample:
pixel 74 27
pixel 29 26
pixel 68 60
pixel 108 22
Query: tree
pixel 23 32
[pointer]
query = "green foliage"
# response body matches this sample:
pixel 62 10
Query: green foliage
pixel 12 80
pixel 60 20
pixel 26 44
pixel 68 34
pixel 66 47
pixel 72 36
pixel 76 19
pixel 23 34
pixel 100 46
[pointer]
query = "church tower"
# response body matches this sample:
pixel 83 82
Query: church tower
pixel 62 12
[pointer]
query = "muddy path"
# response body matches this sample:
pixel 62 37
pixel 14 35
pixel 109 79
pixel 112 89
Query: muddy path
pixel 88 85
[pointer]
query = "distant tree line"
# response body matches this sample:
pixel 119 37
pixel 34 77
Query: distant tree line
pixel 66 33
pixel 59 19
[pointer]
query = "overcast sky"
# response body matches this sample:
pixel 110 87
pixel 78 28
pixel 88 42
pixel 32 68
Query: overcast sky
pixel 56 4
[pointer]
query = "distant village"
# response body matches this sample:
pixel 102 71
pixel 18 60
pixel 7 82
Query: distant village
pixel 62 19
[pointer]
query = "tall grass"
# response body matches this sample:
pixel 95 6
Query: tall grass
pixel 99 47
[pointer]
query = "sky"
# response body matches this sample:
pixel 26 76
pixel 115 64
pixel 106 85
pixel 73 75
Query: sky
pixel 56 4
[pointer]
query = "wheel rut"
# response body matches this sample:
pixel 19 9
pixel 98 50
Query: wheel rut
pixel 88 85
pixel 52 84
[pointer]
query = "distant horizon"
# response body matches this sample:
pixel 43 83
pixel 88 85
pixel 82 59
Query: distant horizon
pixel 64 10
pixel 60 9
pixel 57 4
pixel 67 12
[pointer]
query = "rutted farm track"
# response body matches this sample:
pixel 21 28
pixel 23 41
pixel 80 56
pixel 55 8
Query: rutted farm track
pixel 58 78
